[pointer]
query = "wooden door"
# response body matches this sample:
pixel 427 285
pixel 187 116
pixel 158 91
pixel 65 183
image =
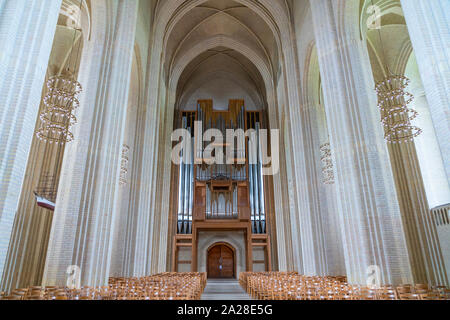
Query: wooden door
pixel 220 262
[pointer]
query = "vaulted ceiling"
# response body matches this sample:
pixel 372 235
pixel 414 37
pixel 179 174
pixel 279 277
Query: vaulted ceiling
pixel 227 19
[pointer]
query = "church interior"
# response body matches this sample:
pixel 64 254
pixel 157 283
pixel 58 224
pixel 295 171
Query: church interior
pixel 224 149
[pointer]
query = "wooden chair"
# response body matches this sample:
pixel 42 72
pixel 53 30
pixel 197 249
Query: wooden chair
pixel 430 296
pixel 409 296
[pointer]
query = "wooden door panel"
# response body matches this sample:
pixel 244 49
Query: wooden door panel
pixel 227 262
pixel 213 262
pixel 220 262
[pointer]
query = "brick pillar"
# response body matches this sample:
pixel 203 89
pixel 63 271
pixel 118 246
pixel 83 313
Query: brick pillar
pixel 27 29
pixel 368 209
pixel 85 213
pixel 429 30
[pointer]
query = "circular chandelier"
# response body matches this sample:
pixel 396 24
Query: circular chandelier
pixel 396 116
pixel 57 116
pixel 393 101
pixel 124 165
pixel 327 168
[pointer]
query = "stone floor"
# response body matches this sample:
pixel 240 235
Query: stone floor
pixel 226 289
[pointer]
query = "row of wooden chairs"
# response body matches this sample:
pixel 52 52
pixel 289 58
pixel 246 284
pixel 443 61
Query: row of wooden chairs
pixel 292 286
pixel 164 286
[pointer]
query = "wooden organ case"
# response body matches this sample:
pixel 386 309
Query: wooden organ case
pixel 226 196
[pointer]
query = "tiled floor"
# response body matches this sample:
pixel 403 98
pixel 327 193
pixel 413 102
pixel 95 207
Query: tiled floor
pixel 224 290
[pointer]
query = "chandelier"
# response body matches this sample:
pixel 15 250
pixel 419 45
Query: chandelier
pixel 396 116
pixel 124 165
pixel 57 116
pixel 327 168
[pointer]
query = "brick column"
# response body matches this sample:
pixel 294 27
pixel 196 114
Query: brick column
pixel 368 209
pixel 27 29
pixel 85 213
pixel 429 30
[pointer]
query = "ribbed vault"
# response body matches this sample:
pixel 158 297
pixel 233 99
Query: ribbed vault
pixel 220 49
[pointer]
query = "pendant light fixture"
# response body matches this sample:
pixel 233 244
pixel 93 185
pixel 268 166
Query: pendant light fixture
pixel 393 102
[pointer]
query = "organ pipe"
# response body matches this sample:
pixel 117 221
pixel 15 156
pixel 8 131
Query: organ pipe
pixel 191 183
pixel 208 200
pixel 235 202
pixel 261 184
pixel 186 191
pixel 181 189
pixel 221 203
pixel 256 184
pixel 252 206
pixel 256 196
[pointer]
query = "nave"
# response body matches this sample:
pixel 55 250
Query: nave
pixel 114 119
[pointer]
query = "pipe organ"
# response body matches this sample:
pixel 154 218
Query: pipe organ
pixel 220 181
pixel 231 189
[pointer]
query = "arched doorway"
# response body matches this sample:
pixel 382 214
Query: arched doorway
pixel 221 261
